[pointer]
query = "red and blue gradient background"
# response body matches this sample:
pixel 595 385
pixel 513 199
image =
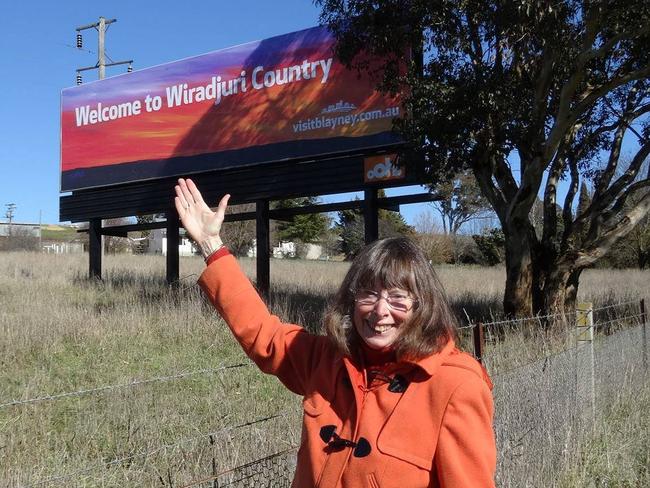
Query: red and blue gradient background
pixel 141 146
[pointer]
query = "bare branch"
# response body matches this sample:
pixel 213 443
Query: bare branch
pixel 542 90
pixel 565 119
pixel 550 192
pixel 606 88
pixel 620 202
pixel 625 179
pixel 569 89
pixel 567 214
pixel 600 244
pixel 612 161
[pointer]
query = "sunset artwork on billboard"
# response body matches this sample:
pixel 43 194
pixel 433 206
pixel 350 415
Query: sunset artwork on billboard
pixel 276 99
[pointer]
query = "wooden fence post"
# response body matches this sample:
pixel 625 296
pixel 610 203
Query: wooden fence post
pixel 479 342
pixel 585 376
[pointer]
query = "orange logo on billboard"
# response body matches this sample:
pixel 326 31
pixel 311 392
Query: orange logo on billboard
pixel 382 168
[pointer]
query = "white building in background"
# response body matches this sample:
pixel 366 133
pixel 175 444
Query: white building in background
pixel 158 244
pixel 17 229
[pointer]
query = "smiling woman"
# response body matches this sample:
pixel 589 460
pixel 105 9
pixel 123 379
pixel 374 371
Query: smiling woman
pixel 388 398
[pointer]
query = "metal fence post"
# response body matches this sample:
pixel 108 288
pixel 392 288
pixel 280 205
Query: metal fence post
pixel 586 380
pixel 479 341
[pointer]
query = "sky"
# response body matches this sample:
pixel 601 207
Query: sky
pixel 39 58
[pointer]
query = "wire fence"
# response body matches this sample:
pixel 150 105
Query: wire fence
pixel 144 455
pixel 540 406
pixel 546 407
pixel 131 384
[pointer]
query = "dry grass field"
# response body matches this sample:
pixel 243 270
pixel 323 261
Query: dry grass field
pixel 208 410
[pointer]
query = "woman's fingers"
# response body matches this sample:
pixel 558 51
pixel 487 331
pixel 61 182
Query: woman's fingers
pixel 223 204
pixel 180 206
pixel 194 191
pixel 183 193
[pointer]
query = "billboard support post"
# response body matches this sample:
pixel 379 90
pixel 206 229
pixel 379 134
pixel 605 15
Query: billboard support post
pixel 371 215
pixel 95 249
pixel 263 243
pixel 173 239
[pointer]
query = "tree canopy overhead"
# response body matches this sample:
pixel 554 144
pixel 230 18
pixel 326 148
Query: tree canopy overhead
pixel 525 94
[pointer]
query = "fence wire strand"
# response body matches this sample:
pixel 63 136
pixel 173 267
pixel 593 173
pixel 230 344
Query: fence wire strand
pixel 617 305
pixel 527 319
pixel 239 468
pixel 541 317
pixel 618 319
pixel 101 389
pixel 145 455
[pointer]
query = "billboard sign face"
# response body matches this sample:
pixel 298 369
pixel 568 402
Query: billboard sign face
pixel 277 99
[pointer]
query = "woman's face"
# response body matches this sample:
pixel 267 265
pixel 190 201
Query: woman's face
pixel 379 315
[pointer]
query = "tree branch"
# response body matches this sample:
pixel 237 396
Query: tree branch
pixel 625 179
pixel 601 243
pixel 611 43
pixel 612 161
pixel 589 100
pixel 542 90
pixel 568 91
pixel 567 214
pixel 620 202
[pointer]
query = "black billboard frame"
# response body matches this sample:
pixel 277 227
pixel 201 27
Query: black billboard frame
pixel 259 184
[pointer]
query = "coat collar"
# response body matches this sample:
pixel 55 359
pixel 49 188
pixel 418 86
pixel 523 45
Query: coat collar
pixel 430 364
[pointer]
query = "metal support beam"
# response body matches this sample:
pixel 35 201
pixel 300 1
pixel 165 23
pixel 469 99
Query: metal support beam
pixel 263 248
pixel 173 227
pixel 371 215
pixel 95 249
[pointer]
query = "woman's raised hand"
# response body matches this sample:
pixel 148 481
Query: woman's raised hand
pixel 200 222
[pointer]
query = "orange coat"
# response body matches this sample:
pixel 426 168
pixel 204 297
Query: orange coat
pixel 432 428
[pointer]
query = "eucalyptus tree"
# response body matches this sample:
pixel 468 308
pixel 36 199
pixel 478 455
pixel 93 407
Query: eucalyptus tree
pixel 534 97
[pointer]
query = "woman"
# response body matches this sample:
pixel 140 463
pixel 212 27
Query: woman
pixel 389 401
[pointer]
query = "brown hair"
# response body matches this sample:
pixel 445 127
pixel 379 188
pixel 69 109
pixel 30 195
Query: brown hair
pixel 395 262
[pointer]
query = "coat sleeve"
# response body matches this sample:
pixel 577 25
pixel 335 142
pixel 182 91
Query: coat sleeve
pixel 284 350
pixel 466 451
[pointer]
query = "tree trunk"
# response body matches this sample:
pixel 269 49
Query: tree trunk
pixel 558 296
pixel 554 295
pixel 571 295
pixel 518 296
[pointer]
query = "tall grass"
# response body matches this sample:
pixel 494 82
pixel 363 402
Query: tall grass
pixel 62 333
pixel 616 453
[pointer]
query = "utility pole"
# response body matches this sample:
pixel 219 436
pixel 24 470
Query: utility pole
pixel 95 226
pixel 11 207
pixel 10 216
pixel 101 65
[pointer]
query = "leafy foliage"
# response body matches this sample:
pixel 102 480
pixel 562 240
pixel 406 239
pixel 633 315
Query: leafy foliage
pixel 491 246
pixel 307 228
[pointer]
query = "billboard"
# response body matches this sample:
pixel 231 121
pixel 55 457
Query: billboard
pixel 277 99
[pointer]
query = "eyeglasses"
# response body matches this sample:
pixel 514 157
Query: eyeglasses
pixel 399 301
